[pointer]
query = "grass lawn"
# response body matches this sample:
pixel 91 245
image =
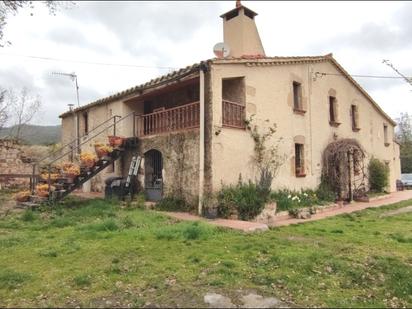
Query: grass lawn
pixel 92 253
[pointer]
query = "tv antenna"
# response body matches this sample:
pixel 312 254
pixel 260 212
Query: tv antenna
pixel 408 80
pixel 73 77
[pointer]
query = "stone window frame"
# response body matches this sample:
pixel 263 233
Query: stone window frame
pixel 299 159
pixel 333 110
pixel 354 115
pixel 297 96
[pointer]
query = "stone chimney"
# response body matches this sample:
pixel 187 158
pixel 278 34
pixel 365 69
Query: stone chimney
pixel 240 32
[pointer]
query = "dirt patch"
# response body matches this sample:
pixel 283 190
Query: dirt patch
pixel 396 212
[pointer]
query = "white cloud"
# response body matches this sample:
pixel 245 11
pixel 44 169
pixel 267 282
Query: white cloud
pixel 176 34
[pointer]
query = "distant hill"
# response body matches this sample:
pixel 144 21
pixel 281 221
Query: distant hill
pixel 35 135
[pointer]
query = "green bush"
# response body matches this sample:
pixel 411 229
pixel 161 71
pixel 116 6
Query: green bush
pixel 173 203
pixel 325 192
pixel 378 175
pixel 245 199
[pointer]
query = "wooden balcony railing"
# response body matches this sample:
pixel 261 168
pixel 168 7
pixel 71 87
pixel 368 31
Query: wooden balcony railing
pixel 173 119
pixel 233 114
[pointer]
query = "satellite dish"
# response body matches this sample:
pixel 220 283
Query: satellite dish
pixel 221 50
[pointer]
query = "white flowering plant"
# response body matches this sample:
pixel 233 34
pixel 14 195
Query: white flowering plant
pixel 288 199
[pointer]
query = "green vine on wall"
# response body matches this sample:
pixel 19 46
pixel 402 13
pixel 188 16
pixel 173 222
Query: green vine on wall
pixel 266 157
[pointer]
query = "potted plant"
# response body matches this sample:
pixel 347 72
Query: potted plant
pixel 116 141
pixel 102 150
pixel 23 196
pixel 70 171
pixel 53 176
pixel 88 159
pixel 43 190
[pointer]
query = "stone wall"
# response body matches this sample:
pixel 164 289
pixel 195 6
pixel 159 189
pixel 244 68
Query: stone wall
pixel 13 161
pixel 180 156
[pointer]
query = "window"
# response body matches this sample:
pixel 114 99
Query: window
pixel 355 118
pixel 299 161
pixel 385 135
pixel 333 115
pixel 86 123
pixel 297 98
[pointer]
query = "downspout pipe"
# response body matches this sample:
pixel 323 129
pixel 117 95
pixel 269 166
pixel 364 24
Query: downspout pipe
pixel 203 70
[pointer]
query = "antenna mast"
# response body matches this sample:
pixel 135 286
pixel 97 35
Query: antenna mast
pixel 73 77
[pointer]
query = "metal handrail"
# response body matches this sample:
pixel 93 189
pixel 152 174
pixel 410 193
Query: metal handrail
pixel 79 145
pixel 91 137
pixel 75 140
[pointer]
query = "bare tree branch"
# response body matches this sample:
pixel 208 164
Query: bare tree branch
pixel 4 112
pixel 13 6
pixel 23 108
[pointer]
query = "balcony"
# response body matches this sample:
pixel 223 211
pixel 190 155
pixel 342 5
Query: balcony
pixel 233 114
pixel 169 120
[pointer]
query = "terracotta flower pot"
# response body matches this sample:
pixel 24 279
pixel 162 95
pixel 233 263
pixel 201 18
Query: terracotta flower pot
pixel 69 177
pixel 23 197
pixel 116 141
pixel 100 152
pixel 43 193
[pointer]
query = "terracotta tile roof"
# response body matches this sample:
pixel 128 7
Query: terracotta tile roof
pixel 154 82
pixel 248 60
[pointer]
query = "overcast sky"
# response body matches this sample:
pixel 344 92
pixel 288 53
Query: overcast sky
pixel 164 35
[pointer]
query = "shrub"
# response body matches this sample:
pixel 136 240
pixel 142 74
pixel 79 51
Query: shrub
pixel 325 192
pixel 226 201
pixel 378 175
pixel 173 203
pixel 243 198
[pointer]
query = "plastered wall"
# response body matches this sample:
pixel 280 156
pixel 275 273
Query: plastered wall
pixel 269 96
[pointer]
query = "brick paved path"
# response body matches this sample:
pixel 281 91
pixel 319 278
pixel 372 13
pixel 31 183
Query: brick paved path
pixel 253 226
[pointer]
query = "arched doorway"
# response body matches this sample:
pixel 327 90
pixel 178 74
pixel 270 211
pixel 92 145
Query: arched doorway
pixel 153 166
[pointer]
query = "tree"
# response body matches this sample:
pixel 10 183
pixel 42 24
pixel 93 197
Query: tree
pixel 404 137
pixel 13 6
pixel 23 108
pixel 4 112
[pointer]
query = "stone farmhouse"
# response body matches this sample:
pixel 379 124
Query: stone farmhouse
pixel 190 124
